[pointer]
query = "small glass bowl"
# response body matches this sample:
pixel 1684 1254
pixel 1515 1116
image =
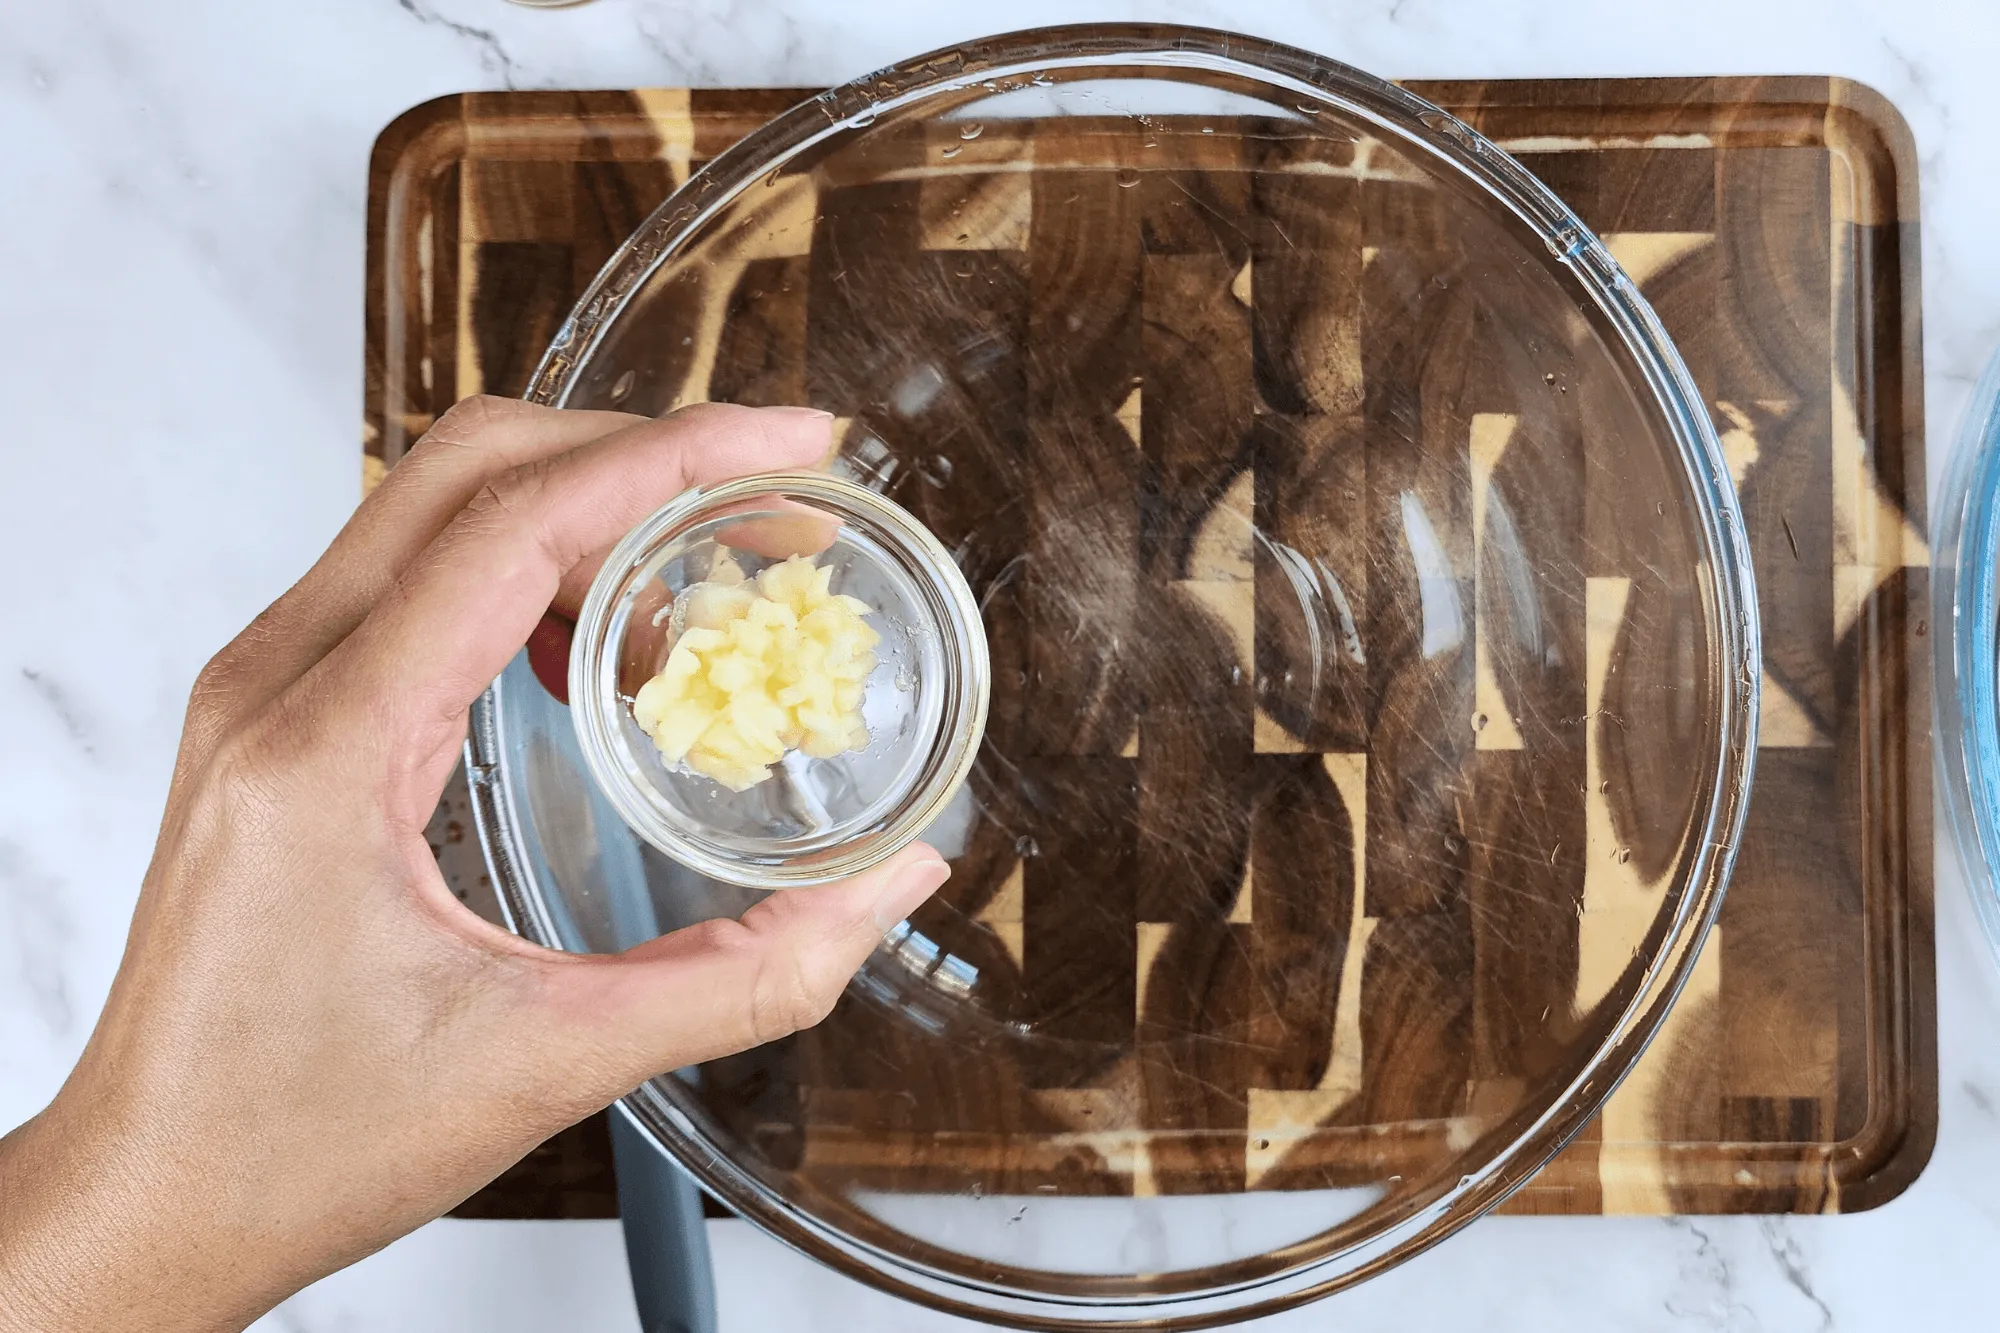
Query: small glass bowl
pixel 813 820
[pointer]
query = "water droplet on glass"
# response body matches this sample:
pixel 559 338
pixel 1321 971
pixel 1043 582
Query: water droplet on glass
pixel 952 150
pixel 1305 110
pixel 1236 675
pixel 1025 846
pixel 1263 1145
pixel 1624 855
pixel 1660 508
pixel 1549 378
pixel 1603 787
pixel 864 120
pixel 971 130
pixel 1479 721
pixel 623 386
pixel 1208 129
pixel 1127 178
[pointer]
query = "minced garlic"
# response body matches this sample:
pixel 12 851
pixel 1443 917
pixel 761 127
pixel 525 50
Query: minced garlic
pixel 758 669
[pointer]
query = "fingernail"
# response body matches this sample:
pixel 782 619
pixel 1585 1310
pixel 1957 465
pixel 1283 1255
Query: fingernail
pixel 805 413
pixel 907 891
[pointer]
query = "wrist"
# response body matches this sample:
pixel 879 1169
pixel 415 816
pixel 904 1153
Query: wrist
pixel 47 1247
pixel 90 1239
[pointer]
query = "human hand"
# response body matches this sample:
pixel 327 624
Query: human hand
pixel 311 1047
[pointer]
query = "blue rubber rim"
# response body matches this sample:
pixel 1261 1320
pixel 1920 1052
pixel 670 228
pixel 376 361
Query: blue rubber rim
pixel 1966 605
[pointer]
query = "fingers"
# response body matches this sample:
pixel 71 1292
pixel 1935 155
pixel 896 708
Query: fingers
pixel 466 605
pixel 780 529
pixel 787 529
pixel 477 440
pixel 725 986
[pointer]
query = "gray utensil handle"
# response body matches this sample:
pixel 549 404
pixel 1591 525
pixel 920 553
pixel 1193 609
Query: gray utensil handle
pixel 666 1241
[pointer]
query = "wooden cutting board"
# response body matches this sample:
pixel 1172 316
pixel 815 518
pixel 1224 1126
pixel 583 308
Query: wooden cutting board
pixel 1773 222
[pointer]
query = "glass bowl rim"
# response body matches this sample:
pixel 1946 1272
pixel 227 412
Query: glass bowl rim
pixel 968 677
pixel 1965 647
pixel 1725 585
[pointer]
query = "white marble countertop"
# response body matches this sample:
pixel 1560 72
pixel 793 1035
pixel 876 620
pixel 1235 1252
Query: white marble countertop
pixel 181 204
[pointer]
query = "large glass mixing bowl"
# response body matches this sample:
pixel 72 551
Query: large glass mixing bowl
pixel 1374 668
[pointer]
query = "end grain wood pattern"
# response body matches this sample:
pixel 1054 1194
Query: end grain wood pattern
pixel 1772 223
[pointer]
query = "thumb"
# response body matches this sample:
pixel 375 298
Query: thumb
pixel 724 986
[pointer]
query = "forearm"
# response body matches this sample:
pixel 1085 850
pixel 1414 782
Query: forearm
pixel 53 1250
pixel 89 1243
